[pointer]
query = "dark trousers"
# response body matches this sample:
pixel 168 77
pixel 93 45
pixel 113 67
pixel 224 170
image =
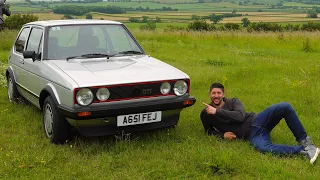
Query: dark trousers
pixel 267 120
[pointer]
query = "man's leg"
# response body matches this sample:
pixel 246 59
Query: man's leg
pixel 206 122
pixel 262 142
pixel 271 116
pixel 267 120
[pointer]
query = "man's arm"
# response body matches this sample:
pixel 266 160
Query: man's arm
pixel 226 135
pixel 214 132
pixel 237 114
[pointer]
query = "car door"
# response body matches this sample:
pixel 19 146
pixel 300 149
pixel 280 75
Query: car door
pixel 16 57
pixel 31 78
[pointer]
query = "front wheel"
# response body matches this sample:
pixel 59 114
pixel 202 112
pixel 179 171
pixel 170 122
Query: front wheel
pixel 56 126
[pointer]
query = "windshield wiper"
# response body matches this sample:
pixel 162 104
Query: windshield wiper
pixel 91 55
pixel 130 52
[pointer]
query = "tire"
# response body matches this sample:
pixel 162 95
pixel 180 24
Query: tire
pixel 55 126
pixel 13 93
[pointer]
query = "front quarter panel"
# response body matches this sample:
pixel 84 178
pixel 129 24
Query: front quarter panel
pixel 61 84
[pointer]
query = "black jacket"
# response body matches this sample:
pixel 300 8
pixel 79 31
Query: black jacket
pixel 231 117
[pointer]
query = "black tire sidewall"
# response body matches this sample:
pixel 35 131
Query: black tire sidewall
pixel 60 127
pixel 15 93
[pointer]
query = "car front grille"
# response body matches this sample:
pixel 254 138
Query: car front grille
pixel 135 91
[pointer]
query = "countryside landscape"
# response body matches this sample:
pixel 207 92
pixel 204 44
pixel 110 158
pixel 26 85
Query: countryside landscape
pixel 256 63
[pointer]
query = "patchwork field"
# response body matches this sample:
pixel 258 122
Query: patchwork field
pixel 266 13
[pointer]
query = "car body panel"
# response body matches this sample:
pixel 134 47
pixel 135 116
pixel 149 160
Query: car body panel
pixel 118 70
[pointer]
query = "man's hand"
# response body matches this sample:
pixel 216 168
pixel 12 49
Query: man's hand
pixel 229 135
pixel 210 109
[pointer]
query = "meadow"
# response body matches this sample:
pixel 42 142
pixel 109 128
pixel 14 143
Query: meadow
pixel 259 68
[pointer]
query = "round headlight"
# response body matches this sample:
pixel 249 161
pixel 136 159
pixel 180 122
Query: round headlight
pixel 165 88
pixel 84 96
pixel 103 94
pixel 180 88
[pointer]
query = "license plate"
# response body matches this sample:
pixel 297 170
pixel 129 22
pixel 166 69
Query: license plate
pixel 141 118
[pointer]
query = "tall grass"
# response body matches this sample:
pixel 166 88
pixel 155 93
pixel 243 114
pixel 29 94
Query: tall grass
pixel 259 68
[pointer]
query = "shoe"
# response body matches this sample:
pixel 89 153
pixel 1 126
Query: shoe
pixel 310 150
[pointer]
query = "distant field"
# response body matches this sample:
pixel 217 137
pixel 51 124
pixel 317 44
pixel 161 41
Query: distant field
pixel 25 8
pixel 187 10
pixel 170 1
pixel 297 4
pixel 185 17
pixel 271 17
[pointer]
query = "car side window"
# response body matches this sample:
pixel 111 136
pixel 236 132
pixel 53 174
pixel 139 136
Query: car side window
pixel 34 42
pixel 21 41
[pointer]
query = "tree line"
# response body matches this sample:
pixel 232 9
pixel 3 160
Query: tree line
pixel 82 10
pixel 147 9
pixel 202 25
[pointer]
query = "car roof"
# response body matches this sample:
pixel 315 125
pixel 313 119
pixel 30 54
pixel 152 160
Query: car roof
pixel 71 22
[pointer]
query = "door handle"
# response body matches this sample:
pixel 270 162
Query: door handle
pixel 22 61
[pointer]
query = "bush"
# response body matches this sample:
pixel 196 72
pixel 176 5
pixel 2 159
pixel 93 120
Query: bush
pixel 89 16
pixel 312 14
pixel 145 19
pixel 232 26
pixel 290 27
pixel 150 26
pixel 195 17
pixel 199 25
pixel 261 26
pixel 67 16
pixel 134 19
pixel 158 19
pixel 311 26
pixel 15 21
pixel 171 28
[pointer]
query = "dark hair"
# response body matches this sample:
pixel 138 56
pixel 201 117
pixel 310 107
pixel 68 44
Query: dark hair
pixel 216 85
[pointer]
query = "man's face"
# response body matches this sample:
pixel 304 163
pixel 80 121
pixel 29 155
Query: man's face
pixel 216 96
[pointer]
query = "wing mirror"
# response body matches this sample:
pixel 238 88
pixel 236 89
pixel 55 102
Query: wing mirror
pixel 29 54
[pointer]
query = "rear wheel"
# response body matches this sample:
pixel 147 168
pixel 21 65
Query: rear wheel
pixel 56 126
pixel 13 93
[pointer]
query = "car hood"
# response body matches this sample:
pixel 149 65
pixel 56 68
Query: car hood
pixel 117 70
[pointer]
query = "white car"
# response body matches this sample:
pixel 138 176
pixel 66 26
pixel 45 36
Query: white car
pixel 93 75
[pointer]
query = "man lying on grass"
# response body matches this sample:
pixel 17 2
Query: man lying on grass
pixel 225 117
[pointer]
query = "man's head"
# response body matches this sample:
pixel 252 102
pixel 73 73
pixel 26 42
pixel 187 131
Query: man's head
pixel 216 94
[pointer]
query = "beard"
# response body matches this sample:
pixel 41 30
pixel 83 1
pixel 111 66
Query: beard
pixel 217 101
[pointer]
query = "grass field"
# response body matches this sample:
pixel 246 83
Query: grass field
pixel 259 68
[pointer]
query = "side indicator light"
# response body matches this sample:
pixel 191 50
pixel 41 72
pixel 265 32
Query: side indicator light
pixel 81 114
pixel 188 102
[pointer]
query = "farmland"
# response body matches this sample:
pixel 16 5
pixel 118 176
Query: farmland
pixel 289 12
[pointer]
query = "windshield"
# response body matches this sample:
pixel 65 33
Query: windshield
pixel 72 41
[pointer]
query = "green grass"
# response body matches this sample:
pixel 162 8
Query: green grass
pixel 259 68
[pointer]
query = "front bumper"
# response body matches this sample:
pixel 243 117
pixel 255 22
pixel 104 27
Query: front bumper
pixel 103 118
pixel 110 109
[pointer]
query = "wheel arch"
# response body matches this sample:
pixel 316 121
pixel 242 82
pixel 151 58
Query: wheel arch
pixel 9 71
pixel 48 90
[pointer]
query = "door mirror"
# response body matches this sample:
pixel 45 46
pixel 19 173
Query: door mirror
pixel 29 54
